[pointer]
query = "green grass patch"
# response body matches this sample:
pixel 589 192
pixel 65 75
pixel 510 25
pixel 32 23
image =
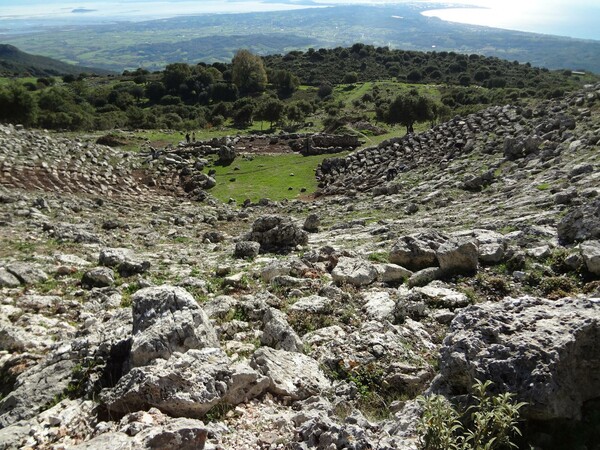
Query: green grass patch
pixel 5 81
pixel 267 176
pixel 543 186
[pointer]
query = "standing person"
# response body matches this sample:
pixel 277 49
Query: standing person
pixel 187 138
pixel 193 136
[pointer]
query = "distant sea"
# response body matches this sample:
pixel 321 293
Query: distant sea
pixel 577 21
pixel 28 15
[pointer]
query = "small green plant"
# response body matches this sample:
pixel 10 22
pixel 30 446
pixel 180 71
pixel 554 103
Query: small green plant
pixel 236 313
pixel 489 423
pixel 543 186
pixel 557 287
pixel 218 412
pixel 494 287
pixel 126 294
pixel 374 394
pixel 305 322
pixel 439 425
pixel 380 257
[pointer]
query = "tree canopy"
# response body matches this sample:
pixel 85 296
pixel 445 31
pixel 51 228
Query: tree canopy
pixel 248 72
pixel 408 108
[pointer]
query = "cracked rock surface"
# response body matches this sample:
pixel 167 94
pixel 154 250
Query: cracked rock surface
pixel 136 314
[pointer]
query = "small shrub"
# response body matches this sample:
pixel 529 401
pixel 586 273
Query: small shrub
pixel 557 287
pixel 489 423
pixel 495 287
pixel 305 322
pixel 380 257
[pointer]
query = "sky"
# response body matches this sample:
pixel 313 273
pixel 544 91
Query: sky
pixel 575 18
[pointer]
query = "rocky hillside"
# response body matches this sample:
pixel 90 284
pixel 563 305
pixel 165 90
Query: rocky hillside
pixel 135 316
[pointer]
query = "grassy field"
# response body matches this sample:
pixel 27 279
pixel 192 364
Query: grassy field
pixel 4 81
pixel 276 177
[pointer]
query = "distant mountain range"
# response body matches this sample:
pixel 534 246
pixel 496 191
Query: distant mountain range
pixel 216 37
pixel 14 62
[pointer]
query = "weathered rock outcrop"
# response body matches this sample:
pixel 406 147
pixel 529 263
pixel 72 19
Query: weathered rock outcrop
pixel 417 251
pixel 580 224
pixel 187 385
pixel 544 351
pixel 290 374
pixel 167 319
pixel 275 233
pixel 354 271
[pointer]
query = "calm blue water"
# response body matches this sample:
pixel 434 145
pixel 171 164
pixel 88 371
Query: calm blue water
pixel 577 21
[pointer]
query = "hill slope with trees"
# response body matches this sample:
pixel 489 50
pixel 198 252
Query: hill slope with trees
pixel 216 37
pixel 327 88
pixel 14 62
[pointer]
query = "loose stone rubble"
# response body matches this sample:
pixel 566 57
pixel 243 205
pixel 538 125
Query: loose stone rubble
pixel 138 312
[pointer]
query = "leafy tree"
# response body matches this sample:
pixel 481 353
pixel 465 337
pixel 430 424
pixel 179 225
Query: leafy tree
pixel 350 77
pixel 143 118
pixel 284 81
pixel 440 112
pixel 325 90
pixel 17 105
pixel 217 121
pixel 224 92
pixel 271 111
pixel 221 109
pixel 406 109
pixel 243 113
pixel 243 116
pixel 294 114
pixel 175 75
pixel 414 76
pixel 61 109
pixel 155 91
pixel 248 72
pixel 305 106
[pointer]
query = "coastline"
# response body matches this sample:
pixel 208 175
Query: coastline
pixel 526 21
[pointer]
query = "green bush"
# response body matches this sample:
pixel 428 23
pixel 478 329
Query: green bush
pixel 489 423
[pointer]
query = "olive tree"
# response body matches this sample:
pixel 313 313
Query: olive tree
pixel 248 72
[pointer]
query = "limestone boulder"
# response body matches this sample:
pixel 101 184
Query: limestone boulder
pixel 278 333
pixel 417 251
pixel 27 273
pixel 378 305
pixel 246 249
pixel 314 304
pixel 277 233
pixel 395 352
pixel 490 244
pixel 98 277
pixel 544 351
pixel 167 319
pixel 37 387
pixel 123 260
pixel 580 224
pixel 393 273
pixel 187 385
pixel 354 271
pixel 290 374
pixel 312 223
pixel 437 295
pixel 590 251
pixel 7 279
pixel 458 256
